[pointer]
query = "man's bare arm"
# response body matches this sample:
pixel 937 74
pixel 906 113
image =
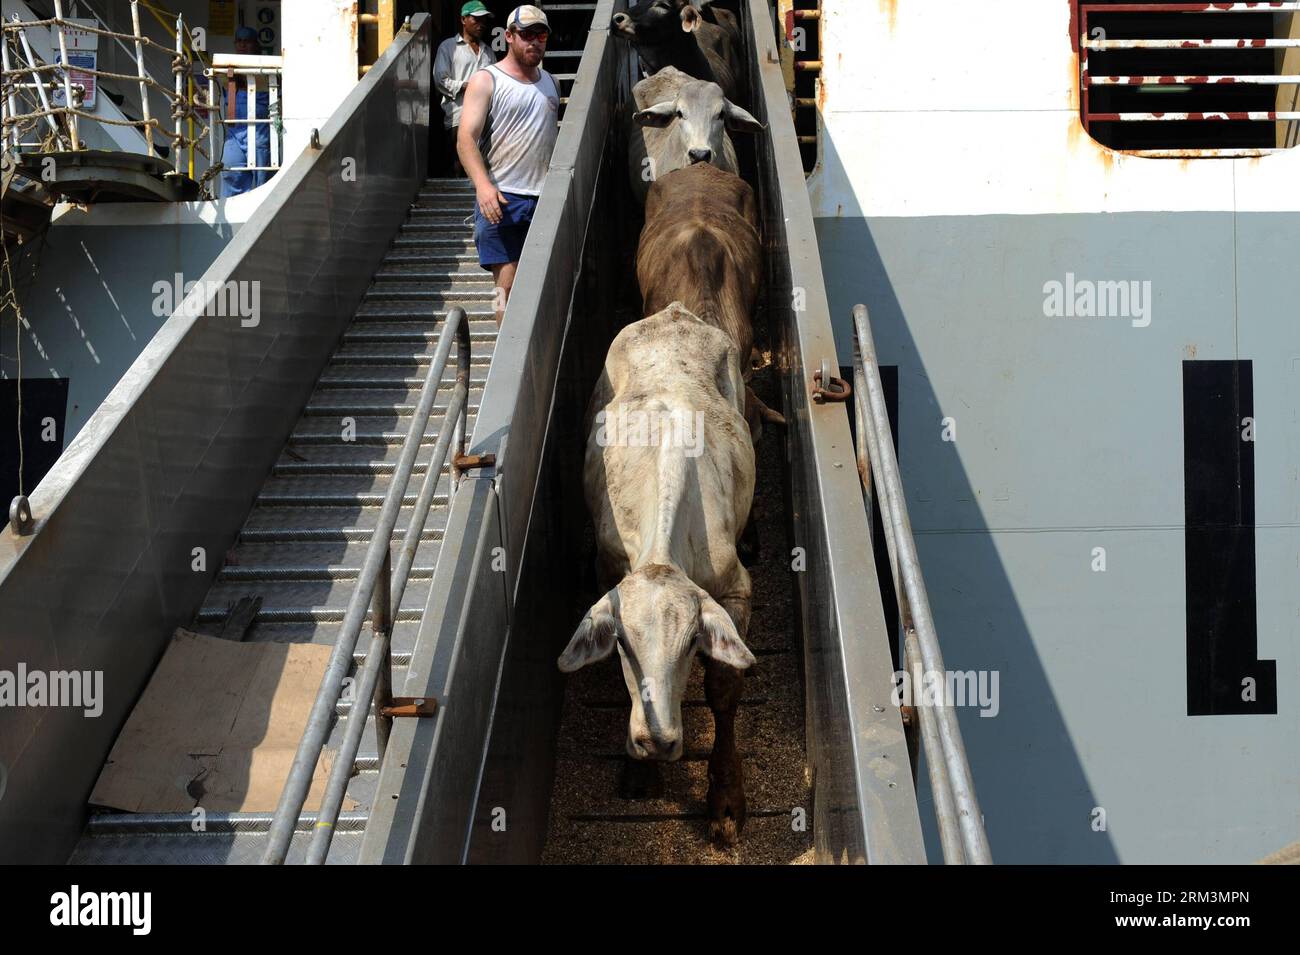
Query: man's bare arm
pixel 478 94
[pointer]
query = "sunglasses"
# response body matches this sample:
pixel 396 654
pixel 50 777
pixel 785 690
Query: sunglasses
pixel 540 36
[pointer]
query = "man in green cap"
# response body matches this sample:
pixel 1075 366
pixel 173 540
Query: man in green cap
pixel 459 57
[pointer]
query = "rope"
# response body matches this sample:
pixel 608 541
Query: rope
pixel 58 67
pixel 55 21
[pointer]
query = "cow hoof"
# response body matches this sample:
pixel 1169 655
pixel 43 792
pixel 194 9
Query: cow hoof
pixel 726 815
pixel 724 833
pixel 640 780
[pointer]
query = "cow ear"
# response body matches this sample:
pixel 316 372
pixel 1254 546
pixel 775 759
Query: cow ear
pixel 660 114
pixel 739 121
pixel 690 19
pixel 595 637
pixel 719 638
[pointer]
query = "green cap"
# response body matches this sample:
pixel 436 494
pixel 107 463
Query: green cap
pixel 475 9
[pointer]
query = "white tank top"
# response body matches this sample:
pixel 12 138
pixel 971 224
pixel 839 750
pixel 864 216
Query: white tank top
pixel 520 132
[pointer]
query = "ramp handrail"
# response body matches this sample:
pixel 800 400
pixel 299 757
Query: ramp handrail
pixel 375 679
pixel 961 825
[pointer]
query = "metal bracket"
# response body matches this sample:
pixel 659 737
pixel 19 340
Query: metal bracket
pixel 410 706
pixel 314 143
pixel 839 390
pixel 464 462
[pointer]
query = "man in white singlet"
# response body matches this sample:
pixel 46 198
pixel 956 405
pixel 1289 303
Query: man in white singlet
pixel 507 132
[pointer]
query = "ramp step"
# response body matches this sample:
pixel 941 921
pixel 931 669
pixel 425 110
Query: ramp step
pixel 381 383
pixel 302 615
pixel 380 356
pixel 314 468
pixel 372 408
pixel 380 332
pixel 282 559
pixel 331 523
pixel 354 459
pixel 217 823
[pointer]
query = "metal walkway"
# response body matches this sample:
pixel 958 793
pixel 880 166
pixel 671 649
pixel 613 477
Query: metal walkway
pixel 303 542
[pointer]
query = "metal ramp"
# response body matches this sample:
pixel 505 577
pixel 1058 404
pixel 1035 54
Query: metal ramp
pixel 302 545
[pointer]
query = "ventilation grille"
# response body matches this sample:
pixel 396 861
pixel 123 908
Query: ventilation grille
pixel 1186 80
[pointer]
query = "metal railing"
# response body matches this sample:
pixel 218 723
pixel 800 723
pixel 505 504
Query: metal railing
pixel 961 825
pixel 250 121
pixel 21 110
pixel 1093 39
pixel 377 585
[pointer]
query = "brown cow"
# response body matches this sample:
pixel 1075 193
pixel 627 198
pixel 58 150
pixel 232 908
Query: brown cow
pixel 700 246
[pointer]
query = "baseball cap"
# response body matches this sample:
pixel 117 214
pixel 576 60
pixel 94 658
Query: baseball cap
pixel 245 33
pixel 475 9
pixel 521 18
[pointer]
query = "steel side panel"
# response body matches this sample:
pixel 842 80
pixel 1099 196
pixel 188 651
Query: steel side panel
pixel 865 803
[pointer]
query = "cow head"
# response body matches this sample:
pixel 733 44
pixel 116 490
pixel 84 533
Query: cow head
pixel 698 115
pixel 658 618
pixel 651 23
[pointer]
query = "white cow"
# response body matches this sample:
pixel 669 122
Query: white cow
pixel 669 479
pixel 680 121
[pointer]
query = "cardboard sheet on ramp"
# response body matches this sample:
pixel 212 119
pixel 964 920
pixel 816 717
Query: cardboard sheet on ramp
pixel 217 728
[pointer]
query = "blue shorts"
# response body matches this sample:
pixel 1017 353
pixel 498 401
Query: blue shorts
pixel 504 242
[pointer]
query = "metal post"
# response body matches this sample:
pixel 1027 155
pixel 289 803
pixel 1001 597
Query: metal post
pixel 214 114
pixel 382 614
pixel 189 123
pixel 273 97
pixel 250 127
pixel 11 102
pixel 67 81
pixel 460 435
pixel 140 72
pixel 177 67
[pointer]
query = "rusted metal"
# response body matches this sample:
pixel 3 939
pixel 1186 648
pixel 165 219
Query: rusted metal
pixel 840 389
pixel 464 462
pixel 1291 6
pixel 1255 116
pixel 1238 152
pixel 1257 43
pixel 410 706
pixel 1243 78
pixel 912 733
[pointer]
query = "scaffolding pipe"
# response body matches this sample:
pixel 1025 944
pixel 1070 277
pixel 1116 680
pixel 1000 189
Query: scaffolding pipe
pixel 67 81
pixel 140 71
